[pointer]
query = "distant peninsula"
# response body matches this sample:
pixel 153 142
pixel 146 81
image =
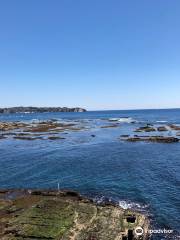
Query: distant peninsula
pixel 40 109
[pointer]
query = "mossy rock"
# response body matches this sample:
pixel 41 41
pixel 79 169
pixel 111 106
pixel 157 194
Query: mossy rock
pixel 60 216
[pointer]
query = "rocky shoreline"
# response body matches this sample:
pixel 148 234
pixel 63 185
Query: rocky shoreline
pixel 54 129
pixel 40 109
pixel 65 215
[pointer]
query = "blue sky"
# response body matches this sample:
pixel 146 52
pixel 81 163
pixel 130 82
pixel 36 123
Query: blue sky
pixel 97 54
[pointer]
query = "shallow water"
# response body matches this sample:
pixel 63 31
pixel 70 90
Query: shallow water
pixel 141 175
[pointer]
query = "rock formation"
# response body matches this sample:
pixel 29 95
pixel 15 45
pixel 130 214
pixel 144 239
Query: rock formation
pixel 156 139
pixel 65 215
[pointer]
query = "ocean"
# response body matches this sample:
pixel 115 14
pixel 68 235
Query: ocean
pixel 98 164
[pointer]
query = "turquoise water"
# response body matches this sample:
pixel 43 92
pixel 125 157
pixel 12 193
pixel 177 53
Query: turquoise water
pixel 144 176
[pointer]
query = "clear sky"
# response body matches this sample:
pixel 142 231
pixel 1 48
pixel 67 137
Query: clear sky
pixel 97 54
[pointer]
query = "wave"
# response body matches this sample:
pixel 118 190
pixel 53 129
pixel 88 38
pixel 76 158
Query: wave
pixel 161 121
pixel 125 204
pixel 123 119
pixel 132 205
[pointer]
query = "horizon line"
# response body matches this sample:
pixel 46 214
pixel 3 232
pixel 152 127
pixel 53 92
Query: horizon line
pixel 92 110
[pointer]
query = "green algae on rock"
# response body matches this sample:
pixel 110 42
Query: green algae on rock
pixel 45 215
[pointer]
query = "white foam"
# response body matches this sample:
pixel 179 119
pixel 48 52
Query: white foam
pixel 129 205
pixel 123 119
pixel 161 121
pixel 122 203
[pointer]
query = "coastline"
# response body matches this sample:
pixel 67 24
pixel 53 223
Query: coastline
pixel 39 149
pixel 64 214
pixel 13 110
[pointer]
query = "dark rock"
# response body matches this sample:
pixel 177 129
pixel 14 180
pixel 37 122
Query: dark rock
pixel 27 138
pixel 164 139
pixel 124 136
pixel 158 139
pixel 71 193
pixel 55 138
pixel 110 126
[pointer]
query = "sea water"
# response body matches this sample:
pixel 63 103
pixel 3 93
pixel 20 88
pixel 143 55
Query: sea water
pixel 143 176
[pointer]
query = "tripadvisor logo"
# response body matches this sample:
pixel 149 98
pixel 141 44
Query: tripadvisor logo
pixel 139 231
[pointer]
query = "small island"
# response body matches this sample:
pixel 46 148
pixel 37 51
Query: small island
pixel 40 109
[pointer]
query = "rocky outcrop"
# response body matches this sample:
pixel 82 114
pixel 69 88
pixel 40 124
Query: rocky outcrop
pixel 157 139
pixel 110 126
pixel 65 215
pixel 147 128
pixel 29 138
pixel 6 126
pixel 33 127
pixel 55 138
pixel 48 126
pixel 40 109
pixel 38 130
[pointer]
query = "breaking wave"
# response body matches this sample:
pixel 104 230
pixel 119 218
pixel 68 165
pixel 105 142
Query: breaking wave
pixel 161 121
pixel 123 120
pixel 125 204
pixel 132 205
